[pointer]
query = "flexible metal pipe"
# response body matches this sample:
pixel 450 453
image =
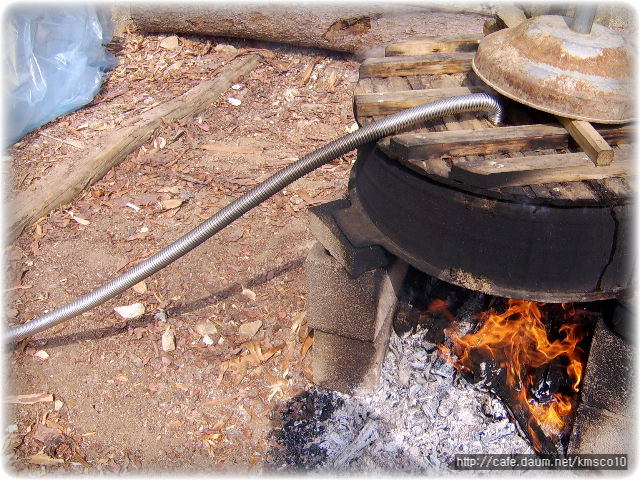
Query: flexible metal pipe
pixel 479 102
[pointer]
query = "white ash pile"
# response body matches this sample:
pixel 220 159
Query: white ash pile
pixel 419 418
pixel 421 415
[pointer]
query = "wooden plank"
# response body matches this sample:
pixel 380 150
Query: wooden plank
pixel 589 140
pixel 564 193
pixel 363 86
pixel 510 15
pixel 394 84
pixel 537 169
pixel 461 121
pixel 618 187
pixel 416 65
pixel 64 182
pixel 492 140
pixel 415 82
pixel 424 45
pixel 575 191
pixel 392 102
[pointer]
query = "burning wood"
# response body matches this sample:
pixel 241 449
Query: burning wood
pixel 530 355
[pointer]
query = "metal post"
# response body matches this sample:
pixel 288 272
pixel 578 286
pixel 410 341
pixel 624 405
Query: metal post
pixel 583 17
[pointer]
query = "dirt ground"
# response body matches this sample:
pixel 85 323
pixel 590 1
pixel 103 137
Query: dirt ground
pixel 105 396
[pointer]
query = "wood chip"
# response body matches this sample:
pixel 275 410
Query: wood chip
pixel 249 329
pixel 30 398
pixel 308 342
pixel 137 361
pixel 172 203
pixel 173 189
pixel 159 143
pixel 140 287
pixel 81 221
pixel 44 459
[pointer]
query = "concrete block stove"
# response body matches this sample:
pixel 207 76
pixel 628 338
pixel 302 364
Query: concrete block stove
pixel 520 211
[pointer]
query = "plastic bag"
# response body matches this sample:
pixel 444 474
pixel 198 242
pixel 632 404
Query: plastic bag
pixel 54 63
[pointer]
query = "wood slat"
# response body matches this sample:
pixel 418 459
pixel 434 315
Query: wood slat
pixel 589 140
pixel 537 169
pixel 393 102
pixel 416 65
pixel 573 191
pixel 510 15
pixel 618 187
pixel 424 45
pixel 491 140
pixel 462 121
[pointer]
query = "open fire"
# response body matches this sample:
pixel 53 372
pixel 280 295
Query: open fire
pixel 467 373
pixel 532 356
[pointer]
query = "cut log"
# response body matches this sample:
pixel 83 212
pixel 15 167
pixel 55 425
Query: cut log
pixel 346 27
pixel 64 183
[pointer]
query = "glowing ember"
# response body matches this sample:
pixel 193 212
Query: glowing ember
pixel 517 342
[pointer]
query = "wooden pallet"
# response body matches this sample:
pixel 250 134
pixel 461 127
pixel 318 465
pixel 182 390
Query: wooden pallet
pixel 532 156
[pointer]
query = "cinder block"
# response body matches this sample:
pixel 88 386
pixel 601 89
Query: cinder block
pixel 340 304
pixel 604 422
pixel 356 260
pixel 602 432
pixel 609 373
pixel 346 364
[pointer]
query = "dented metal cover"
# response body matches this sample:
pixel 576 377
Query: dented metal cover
pixel 544 64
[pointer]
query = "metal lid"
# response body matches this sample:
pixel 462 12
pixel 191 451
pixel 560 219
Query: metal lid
pixel 545 64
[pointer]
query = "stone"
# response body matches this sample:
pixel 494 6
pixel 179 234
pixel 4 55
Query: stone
pixel 168 340
pixel 602 432
pixel 129 312
pixel 609 373
pixel 206 328
pixel 605 420
pixel 325 229
pixel 340 304
pixel 346 364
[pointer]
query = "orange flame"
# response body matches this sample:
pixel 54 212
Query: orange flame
pixel 517 341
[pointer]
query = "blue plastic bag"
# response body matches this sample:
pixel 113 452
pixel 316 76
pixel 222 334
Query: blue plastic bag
pixel 54 63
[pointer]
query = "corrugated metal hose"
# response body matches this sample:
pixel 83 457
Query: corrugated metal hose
pixel 479 102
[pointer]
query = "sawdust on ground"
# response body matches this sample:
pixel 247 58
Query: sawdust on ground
pixel 109 398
